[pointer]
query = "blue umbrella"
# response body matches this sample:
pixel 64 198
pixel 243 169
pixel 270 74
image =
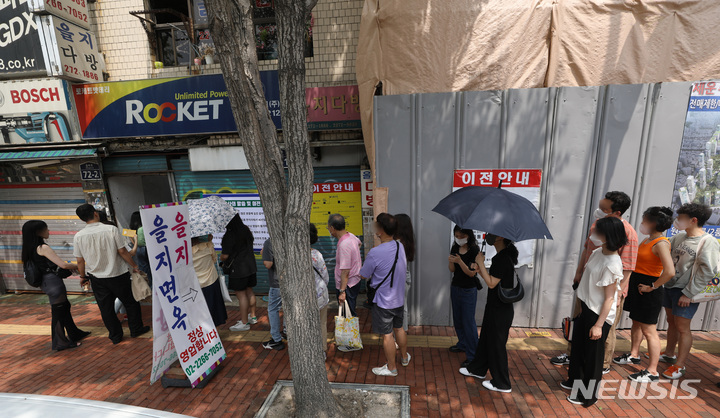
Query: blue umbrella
pixel 495 211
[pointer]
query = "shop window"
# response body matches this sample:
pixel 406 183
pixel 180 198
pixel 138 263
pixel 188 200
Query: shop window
pixel 266 31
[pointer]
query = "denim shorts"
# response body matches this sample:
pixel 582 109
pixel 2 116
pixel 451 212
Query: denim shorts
pixel 670 301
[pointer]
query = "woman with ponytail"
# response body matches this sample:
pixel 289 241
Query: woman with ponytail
pixel 491 353
pixel 644 300
pixel 34 248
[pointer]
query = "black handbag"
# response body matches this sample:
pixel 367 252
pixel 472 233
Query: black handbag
pixel 371 291
pixel 513 294
pixel 33 274
pixel 63 273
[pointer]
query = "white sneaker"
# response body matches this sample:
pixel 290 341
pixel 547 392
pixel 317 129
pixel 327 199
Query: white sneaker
pixel 239 326
pixel 406 362
pixel 347 349
pixel 465 372
pixel 489 386
pixel 384 371
pixel 252 320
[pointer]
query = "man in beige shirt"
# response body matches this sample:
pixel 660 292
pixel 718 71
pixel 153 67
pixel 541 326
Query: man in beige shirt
pixel 101 259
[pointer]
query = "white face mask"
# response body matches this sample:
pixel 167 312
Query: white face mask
pixel 595 240
pixel 681 225
pixel 645 230
pixel 599 214
pixel 461 241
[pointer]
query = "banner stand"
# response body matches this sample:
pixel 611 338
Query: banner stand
pixel 172 382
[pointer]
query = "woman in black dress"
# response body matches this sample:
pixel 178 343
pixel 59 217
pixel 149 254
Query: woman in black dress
pixel 491 353
pixel 239 259
pixel 34 248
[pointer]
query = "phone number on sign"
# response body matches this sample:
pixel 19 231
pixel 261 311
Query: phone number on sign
pixel 192 368
pixel 69 9
pixel 69 69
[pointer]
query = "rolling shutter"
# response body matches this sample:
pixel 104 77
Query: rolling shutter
pixel 51 198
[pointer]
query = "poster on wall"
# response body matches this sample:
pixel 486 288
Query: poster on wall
pixel 179 305
pixel 249 207
pixel 328 198
pixel 36 111
pixel 697 178
pixel 524 182
pixel 343 198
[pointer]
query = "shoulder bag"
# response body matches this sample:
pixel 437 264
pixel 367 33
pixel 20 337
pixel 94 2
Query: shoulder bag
pixel 711 291
pixel 513 294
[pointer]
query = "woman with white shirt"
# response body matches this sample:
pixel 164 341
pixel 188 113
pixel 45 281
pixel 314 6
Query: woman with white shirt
pixel 598 293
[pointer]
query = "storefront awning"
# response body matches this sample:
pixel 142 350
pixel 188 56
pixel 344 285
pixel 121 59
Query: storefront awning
pixel 47 154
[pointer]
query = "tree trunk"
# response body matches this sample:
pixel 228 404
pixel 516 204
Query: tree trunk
pixel 286 203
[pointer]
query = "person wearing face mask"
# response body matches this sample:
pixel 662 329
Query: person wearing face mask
pixel 695 254
pixel 463 292
pixel 598 292
pixel 491 353
pixel 645 293
pixel 614 205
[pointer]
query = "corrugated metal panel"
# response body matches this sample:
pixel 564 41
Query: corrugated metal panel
pixel 54 205
pixel 135 164
pixel 47 154
pixel 587 140
pixel 193 184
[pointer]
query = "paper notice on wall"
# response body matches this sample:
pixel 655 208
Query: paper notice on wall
pixel 178 295
pixel 524 182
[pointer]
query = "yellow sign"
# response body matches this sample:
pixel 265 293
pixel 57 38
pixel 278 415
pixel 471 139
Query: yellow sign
pixel 342 198
pixel 537 334
pixel 129 233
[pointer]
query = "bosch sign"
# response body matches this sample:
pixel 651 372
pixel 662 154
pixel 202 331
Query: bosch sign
pixel 43 95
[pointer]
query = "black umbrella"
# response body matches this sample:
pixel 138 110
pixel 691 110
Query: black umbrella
pixel 495 211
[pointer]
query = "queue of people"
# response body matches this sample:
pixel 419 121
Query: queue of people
pixel 615 273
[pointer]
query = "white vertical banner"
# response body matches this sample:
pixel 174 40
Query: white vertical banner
pixel 524 182
pixel 177 294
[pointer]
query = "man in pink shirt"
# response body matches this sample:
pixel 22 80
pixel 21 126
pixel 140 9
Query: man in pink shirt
pixel 347 262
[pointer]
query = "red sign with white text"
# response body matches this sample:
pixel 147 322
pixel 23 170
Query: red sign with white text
pixel 492 178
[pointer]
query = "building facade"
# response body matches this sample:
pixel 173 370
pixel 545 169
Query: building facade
pixel 141 126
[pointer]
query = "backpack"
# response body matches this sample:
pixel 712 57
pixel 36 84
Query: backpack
pixel 33 274
pixel 712 289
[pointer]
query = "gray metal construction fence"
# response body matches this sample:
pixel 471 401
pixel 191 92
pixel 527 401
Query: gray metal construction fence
pixel 586 140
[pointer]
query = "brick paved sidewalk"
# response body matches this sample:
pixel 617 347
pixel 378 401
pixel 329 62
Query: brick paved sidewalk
pixel 98 370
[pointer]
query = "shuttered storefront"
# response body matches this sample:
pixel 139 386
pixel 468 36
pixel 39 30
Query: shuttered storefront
pixel 191 185
pixel 50 193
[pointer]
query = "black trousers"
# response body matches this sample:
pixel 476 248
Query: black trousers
pixel 106 290
pixel 587 356
pixel 491 352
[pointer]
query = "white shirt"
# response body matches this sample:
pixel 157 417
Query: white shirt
pixel 98 244
pixel 601 270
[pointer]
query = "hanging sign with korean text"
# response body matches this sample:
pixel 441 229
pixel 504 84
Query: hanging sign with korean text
pixel 21 52
pixel 179 298
pixel 74 11
pixel 71 51
pixel 524 182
